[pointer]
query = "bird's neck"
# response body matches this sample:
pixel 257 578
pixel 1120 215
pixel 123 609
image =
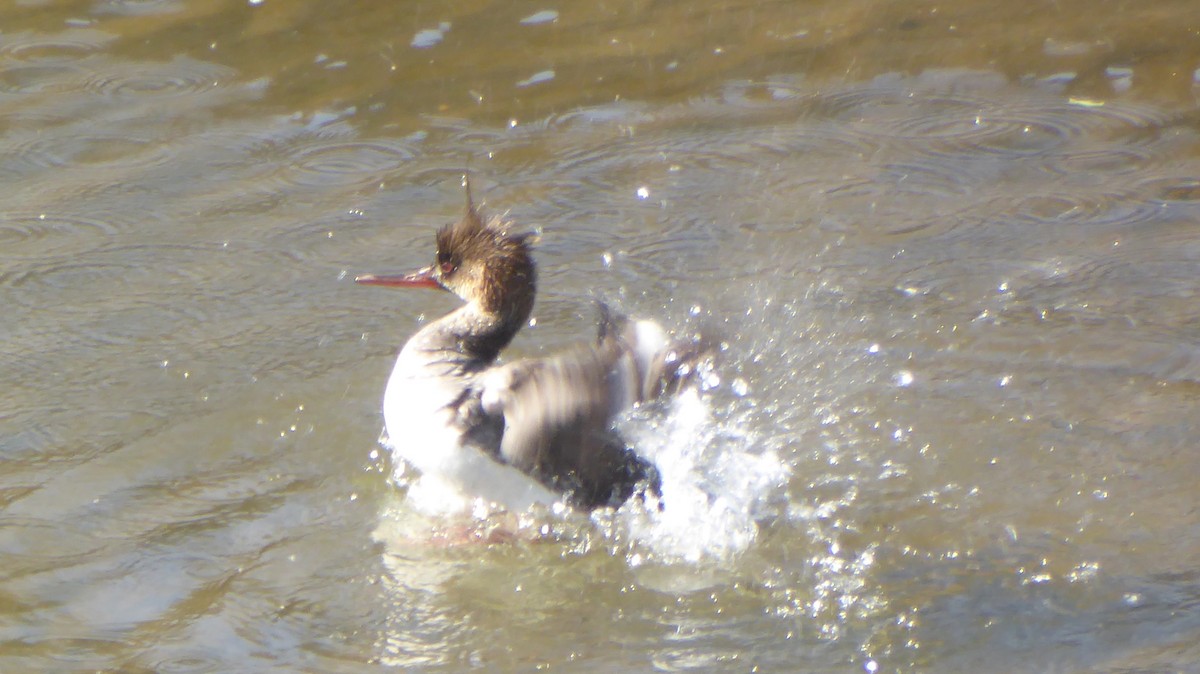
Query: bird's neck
pixel 462 342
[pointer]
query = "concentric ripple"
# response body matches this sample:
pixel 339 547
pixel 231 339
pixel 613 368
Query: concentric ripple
pixel 346 162
pixel 1173 189
pixel 89 147
pixel 828 140
pixel 49 235
pixel 70 45
pixel 1086 209
pixel 182 76
pixel 137 271
pixel 60 277
pixel 881 102
pixel 1109 160
pixel 965 124
pixel 1176 197
pixel 39 78
pixel 1010 133
pixel 1119 119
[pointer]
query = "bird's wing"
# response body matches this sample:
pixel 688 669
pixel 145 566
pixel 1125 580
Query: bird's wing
pixel 557 415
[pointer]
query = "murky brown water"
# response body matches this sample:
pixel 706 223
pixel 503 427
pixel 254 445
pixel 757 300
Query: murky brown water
pixel 953 251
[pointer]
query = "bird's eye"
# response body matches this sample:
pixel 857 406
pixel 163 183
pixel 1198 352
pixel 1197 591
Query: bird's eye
pixel 446 267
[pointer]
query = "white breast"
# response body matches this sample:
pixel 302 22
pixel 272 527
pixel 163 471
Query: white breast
pixel 423 433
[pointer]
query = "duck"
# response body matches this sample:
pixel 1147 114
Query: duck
pixel 532 431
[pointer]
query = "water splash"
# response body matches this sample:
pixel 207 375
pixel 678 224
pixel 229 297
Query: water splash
pixel 715 485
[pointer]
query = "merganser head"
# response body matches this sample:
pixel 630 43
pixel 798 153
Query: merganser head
pixel 482 262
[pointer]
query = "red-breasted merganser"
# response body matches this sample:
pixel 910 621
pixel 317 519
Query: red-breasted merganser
pixel 531 431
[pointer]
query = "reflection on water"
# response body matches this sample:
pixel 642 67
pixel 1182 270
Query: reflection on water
pixel 951 255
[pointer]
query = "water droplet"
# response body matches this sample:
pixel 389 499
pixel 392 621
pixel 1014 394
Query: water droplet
pixel 430 36
pixel 544 16
pixel 537 78
pixel 643 192
pixel 740 387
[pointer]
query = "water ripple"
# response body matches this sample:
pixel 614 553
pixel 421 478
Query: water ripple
pixel 79 148
pixel 1173 189
pixel 69 45
pixel 49 235
pixel 36 78
pixel 1009 133
pixel 29 544
pixel 182 76
pixel 965 122
pixel 883 101
pixel 1107 161
pixel 139 7
pixel 346 162
pixel 1091 210
pixel 141 275
pixel 820 139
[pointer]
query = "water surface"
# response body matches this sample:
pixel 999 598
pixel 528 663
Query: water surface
pixel 951 253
